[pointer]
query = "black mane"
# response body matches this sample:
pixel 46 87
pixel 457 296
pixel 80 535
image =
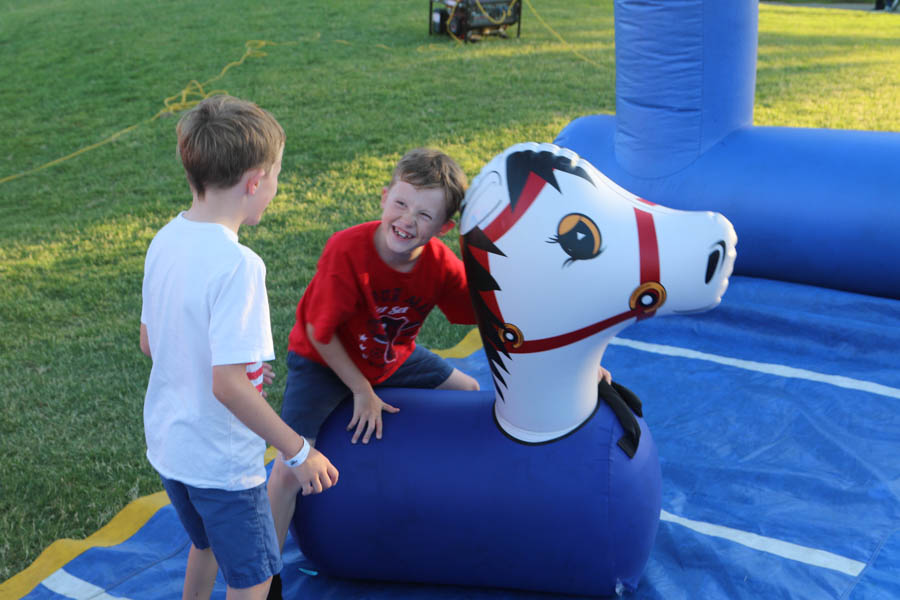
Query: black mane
pixel 519 166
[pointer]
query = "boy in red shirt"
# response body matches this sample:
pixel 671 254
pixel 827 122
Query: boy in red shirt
pixel 358 319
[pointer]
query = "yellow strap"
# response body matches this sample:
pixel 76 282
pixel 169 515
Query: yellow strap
pixel 59 553
pixel 464 348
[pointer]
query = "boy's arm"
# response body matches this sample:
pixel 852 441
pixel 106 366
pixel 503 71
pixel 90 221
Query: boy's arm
pixel 367 406
pixel 145 340
pixel 233 389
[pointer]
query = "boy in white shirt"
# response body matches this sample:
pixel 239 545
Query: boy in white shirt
pixel 205 323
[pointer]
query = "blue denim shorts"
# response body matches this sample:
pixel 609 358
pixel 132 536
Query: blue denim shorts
pixel 313 391
pixel 237 525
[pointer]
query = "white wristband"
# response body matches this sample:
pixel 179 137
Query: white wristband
pixel 301 456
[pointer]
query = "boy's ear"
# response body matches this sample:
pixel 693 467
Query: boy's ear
pixel 252 180
pixel 384 193
pixel 447 226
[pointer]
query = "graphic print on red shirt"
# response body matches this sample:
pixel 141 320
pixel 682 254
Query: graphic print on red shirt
pixel 375 311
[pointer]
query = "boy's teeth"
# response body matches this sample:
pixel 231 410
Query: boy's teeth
pixel 402 234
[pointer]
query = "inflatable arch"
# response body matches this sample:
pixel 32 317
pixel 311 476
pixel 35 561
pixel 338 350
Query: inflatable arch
pixel 813 206
pixel 465 489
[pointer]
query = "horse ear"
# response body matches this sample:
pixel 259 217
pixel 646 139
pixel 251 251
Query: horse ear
pixel 483 202
pixel 520 166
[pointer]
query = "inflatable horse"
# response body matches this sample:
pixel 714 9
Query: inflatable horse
pixel 551 481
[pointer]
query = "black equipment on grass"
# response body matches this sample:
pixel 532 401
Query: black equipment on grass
pixel 472 20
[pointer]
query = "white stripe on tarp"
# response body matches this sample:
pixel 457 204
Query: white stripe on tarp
pixel 66 584
pixel 769 368
pixel 804 554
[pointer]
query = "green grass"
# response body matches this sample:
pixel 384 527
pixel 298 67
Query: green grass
pixel 354 87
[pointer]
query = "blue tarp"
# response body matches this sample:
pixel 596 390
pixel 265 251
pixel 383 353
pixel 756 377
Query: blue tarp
pixel 777 420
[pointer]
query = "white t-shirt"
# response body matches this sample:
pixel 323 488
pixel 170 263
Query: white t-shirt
pixel 204 304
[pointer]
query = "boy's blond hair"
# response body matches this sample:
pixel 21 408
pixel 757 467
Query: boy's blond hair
pixel 429 168
pixel 222 138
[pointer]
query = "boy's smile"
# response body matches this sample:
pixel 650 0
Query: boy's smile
pixel 410 216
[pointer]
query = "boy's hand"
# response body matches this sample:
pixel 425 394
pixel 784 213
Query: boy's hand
pixel 603 375
pixel 268 377
pixel 367 407
pixel 316 474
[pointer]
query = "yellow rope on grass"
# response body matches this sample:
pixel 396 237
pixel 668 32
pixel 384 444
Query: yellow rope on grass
pixel 450 20
pixel 560 38
pixel 192 94
pixel 537 15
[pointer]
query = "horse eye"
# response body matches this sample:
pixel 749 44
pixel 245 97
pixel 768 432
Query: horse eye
pixel 579 237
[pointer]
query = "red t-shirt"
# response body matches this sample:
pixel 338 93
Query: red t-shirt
pixel 375 311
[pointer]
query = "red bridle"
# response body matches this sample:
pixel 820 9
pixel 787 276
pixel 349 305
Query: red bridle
pixel 644 300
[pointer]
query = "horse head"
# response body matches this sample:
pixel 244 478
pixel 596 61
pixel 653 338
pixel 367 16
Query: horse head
pixel 559 259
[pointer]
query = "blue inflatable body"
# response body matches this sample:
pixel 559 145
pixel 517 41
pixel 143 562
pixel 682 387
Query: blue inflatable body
pixel 447 498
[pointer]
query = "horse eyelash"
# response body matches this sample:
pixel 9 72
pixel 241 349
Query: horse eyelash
pixel 555 240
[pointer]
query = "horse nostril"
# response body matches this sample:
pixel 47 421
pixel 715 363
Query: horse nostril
pixel 712 263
